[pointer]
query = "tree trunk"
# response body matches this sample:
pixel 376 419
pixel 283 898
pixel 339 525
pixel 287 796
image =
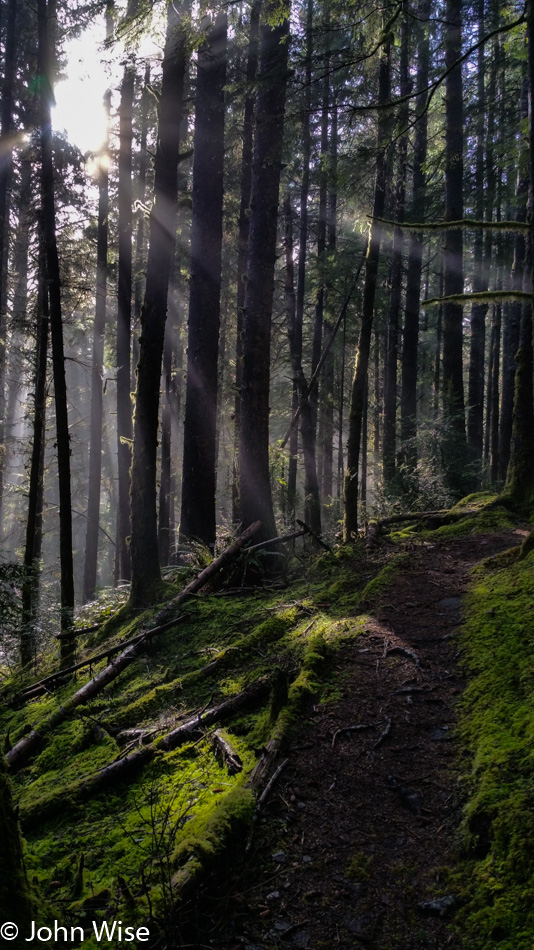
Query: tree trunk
pixel 254 480
pixel 475 409
pixel 243 233
pixel 513 314
pixel 390 369
pixel 198 520
pixel 359 385
pixel 56 329
pixel 97 372
pixel 34 522
pixel 124 314
pixel 6 127
pixel 520 476
pixel 309 490
pixel 327 399
pixel 410 342
pixel 455 445
pixel 146 574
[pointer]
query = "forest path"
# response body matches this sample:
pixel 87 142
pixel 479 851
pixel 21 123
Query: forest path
pixel 357 832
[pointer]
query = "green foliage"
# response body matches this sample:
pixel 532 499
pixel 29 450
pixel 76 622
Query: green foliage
pixel 497 728
pixel 177 817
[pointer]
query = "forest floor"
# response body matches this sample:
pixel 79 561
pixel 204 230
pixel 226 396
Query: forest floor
pixel 354 845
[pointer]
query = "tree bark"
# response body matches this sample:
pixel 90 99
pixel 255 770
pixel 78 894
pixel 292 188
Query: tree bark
pixel 146 574
pixel 359 384
pixel 455 445
pixel 198 519
pixel 6 127
pixel 410 341
pixel 475 409
pixel 254 478
pixel 34 522
pixel 124 315
pixel 56 329
pixel 390 369
pixel 97 372
pixel 243 234
pixel 513 317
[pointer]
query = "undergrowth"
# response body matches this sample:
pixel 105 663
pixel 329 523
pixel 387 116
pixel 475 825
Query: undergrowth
pixel 128 849
pixel 497 727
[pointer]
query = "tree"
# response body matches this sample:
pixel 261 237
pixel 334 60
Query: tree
pixel 198 518
pixel 254 481
pixel 455 450
pixel 124 313
pixel 97 367
pixel 48 223
pixel 146 574
pixel 359 383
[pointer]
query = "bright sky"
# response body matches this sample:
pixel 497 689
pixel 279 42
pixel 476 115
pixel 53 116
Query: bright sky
pixel 79 111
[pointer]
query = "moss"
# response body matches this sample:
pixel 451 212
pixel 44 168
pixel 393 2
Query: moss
pixel 213 831
pixel 497 728
pixel 489 519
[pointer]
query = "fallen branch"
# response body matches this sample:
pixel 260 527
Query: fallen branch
pixel 122 767
pixel 34 688
pixel 226 752
pixel 262 799
pixel 383 735
pixel 409 654
pixel 78 632
pixel 358 728
pixel 22 749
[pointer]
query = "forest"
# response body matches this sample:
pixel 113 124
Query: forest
pixel 266 473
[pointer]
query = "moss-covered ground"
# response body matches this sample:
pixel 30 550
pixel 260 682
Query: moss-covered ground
pixel 129 848
pixel 125 849
pixel 497 727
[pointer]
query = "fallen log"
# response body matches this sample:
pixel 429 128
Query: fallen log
pixel 22 749
pixel 35 688
pixel 78 632
pixel 225 751
pixel 121 768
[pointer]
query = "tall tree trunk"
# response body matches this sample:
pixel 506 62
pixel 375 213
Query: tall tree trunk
pixel 254 482
pixel 312 512
pixel 390 369
pixel 513 313
pixel 56 330
pixel 124 313
pixel 139 264
pixel 97 372
pixel 310 472
pixel 520 476
pixel 34 521
pixel 198 520
pixel 475 408
pixel 410 339
pixel 6 128
pixel 327 400
pixel 359 385
pixel 146 574
pixel 317 341
pixel 455 448
pixel 243 233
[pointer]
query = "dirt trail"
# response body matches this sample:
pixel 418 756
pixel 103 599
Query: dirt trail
pixel 357 832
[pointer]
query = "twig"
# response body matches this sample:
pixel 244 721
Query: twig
pixel 385 732
pixel 358 728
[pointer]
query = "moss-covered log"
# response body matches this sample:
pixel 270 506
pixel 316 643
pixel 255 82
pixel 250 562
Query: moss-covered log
pixel 22 749
pixel 120 769
pixel 15 899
